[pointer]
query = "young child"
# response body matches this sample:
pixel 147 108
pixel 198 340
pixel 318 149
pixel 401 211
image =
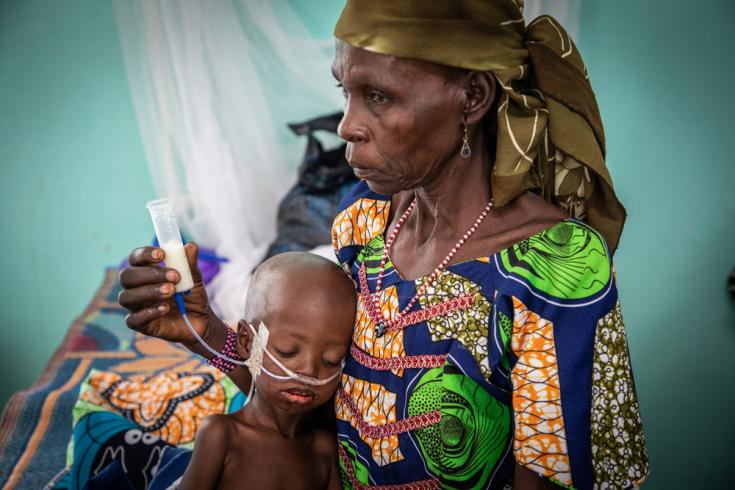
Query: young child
pixel 308 307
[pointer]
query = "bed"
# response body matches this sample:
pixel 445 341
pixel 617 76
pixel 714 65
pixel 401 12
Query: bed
pixel 36 424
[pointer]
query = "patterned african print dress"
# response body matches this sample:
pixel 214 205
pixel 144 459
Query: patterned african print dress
pixel 534 369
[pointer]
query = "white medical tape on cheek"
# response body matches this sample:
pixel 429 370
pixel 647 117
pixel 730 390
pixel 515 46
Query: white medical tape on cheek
pixel 257 347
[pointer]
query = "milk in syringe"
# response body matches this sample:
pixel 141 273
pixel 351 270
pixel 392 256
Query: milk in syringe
pixel 169 239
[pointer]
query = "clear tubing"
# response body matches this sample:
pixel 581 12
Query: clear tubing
pixel 308 380
pixel 182 310
pixel 169 239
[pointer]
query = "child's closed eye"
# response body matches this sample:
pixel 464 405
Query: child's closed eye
pixel 285 353
pixel 333 363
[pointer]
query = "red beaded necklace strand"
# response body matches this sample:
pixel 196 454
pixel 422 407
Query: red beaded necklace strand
pixel 381 325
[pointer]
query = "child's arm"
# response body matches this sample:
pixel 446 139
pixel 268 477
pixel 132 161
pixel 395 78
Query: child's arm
pixel 210 447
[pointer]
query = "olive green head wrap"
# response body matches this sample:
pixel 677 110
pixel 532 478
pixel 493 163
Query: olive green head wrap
pixel 549 133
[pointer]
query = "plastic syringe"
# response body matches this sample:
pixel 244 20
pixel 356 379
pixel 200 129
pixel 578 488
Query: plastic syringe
pixel 169 239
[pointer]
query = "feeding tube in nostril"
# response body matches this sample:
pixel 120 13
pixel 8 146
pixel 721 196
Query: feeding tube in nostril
pixel 169 239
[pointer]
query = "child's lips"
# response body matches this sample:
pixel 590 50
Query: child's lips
pixel 300 395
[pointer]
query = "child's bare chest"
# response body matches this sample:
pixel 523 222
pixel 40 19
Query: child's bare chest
pixel 274 463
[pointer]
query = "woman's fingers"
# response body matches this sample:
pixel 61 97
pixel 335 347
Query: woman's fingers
pixel 146 256
pixel 133 277
pixel 140 297
pixel 141 318
pixel 148 290
pixel 192 251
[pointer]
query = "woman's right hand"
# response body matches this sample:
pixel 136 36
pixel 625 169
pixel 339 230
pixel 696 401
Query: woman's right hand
pixel 148 293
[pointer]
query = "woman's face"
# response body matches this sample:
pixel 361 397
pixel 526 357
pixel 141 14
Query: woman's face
pixel 402 118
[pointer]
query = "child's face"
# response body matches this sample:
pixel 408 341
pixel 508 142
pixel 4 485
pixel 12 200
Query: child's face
pixel 310 335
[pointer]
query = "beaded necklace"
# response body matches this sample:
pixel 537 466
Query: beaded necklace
pixel 381 324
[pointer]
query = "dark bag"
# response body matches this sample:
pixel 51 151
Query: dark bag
pixel 306 213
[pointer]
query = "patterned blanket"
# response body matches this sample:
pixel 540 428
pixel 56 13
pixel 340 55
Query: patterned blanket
pixel 107 395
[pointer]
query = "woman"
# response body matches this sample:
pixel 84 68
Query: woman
pixel 488 348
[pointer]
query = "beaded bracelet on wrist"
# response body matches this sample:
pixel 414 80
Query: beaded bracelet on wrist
pixel 230 350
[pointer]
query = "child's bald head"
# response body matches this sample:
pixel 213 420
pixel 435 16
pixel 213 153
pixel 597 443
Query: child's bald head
pixel 300 283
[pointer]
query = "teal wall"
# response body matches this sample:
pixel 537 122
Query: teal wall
pixel 74 182
pixel 663 75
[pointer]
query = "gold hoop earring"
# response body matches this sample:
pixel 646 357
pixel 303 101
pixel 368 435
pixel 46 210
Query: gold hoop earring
pixel 465 152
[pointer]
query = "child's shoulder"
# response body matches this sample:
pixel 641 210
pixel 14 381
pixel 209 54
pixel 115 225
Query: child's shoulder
pixel 214 428
pixel 227 432
pixel 220 424
pixel 211 442
pixel 224 426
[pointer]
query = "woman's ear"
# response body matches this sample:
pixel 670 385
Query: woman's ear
pixel 480 90
pixel 244 339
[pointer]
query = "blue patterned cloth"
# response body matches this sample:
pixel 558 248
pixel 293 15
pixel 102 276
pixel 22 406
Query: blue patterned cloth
pixel 534 371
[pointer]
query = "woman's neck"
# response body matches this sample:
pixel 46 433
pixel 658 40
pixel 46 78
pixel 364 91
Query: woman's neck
pixel 448 204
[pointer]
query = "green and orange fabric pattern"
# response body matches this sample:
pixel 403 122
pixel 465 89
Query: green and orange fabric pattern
pixel 536 371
